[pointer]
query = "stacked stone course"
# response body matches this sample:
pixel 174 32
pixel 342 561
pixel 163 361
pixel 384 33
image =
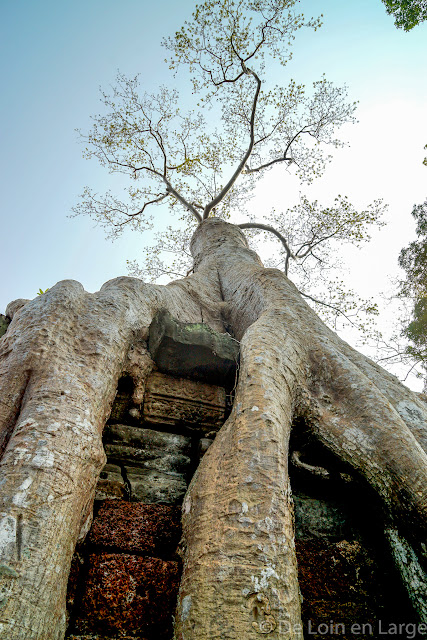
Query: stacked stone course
pixel 125 578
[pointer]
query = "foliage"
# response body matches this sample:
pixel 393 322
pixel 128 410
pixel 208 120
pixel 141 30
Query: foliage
pixel 181 157
pixel 316 235
pixel 207 160
pixel 408 13
pixel 311 228
pixel 413 259
pixel 417 331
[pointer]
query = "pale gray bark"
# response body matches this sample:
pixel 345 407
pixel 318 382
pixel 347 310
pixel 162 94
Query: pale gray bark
pixel 59 363
pixel 292 365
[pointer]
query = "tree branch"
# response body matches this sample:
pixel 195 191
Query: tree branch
pixel 325 304
pixel 183 201
pixel 282 159
pixel 266 227
pixel 146 204
pixel 268 164
pixel 247 155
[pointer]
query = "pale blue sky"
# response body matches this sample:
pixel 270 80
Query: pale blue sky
pixel 55 54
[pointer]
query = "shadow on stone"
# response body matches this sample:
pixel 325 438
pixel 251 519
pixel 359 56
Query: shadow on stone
pixel 193 350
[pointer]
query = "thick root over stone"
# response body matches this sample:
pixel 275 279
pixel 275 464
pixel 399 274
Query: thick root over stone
pixel 60 361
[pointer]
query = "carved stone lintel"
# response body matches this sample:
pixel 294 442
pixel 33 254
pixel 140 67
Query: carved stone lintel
pixel 180 402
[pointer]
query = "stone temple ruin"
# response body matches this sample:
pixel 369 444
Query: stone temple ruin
pixel 125 575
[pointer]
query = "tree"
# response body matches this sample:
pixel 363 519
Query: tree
pixel 184 161
pixel 408 13
pixel 413 259
pixel 64 352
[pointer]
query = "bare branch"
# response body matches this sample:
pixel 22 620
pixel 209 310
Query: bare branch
pixel 316 240
pixel 267 227
pixel 278 160
pixel 182 200
pixel 146 204
pixel 247 155
pixel 337 310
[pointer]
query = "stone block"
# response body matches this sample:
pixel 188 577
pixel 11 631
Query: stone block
pixel 347 582
pixel 353 570
pixel 151 486
pixel 317 518
pixel 111 483
pixel 132 527
pixel 148 449
pixel 127 594
pixel 192 350
pixel 182 403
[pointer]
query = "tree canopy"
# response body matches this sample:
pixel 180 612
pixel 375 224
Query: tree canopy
pixel 408 13
pixel 207 160
pixel 180 156
pixel 413 259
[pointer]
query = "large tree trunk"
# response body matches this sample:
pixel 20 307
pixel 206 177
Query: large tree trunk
pixel 60 361
pixel 240 570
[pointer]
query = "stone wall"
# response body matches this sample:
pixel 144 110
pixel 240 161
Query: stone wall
pixel 124 578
